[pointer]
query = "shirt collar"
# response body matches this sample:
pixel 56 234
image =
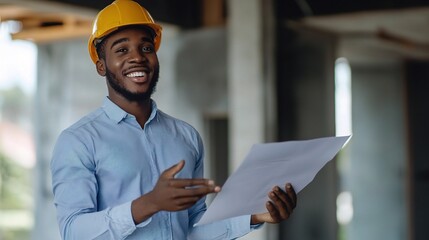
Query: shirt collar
pixel 153 113
pixel 117 114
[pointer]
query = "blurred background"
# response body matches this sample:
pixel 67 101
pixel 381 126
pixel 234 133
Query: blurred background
pixel 241 72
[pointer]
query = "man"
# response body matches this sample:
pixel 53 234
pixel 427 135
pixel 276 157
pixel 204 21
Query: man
pixel 128 170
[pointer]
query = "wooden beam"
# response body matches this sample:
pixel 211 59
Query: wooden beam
pixel 10 12
pixel 53 33
pixel 213 13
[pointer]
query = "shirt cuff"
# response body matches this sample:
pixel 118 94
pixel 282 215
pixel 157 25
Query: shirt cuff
pixel 256 226
pixel 121 217
pixel 240 226
pixel 144 223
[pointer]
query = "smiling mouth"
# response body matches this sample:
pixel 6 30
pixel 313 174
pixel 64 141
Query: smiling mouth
pixel 138 77
pixel 136 74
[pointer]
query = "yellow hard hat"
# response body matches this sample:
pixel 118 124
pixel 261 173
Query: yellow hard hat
pixel 121 13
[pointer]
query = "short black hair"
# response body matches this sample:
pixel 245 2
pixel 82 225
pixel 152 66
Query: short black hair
pixel 100 46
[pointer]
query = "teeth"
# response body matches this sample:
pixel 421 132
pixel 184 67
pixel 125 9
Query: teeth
pixel 136 74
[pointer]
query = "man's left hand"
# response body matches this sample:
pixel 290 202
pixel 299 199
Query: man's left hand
pixel 279 208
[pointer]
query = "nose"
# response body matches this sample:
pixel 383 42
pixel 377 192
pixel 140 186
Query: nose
pixel 138 56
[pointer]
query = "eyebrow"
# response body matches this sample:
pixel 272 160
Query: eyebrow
pixel 121 40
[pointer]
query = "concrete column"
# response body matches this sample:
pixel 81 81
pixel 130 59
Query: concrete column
pixel 244 64
pixel 377 172
pixel 246 86
pixel 67 88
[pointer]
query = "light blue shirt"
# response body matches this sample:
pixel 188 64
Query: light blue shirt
pixel 106 160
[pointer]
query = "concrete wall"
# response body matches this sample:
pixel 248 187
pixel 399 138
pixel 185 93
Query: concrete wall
pixel 198 72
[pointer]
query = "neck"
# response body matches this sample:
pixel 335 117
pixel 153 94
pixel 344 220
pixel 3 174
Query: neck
pixel 140 109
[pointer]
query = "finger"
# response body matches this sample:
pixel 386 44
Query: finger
pixel 288 197
pixel 173 170
pixel 280 202
pixel 283 197
pixel 281 194
pixel 273 212
pixel 186 202
pixel 195 191
pixel 292 194
pixel 203 190
pixel 191 182
pixel 182 203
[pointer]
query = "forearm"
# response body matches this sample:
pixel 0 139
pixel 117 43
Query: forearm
pixel 112 223
pixel 227 229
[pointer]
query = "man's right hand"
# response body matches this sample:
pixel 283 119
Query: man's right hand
pixel 171 194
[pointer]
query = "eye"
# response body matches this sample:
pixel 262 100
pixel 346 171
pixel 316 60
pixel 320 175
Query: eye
pixel 121 50
pixel 148 49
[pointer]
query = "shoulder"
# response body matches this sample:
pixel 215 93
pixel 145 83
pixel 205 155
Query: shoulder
pixel 76 141
pixel 86 120
pixel 84 127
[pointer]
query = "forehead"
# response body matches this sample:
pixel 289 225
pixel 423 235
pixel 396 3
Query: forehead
pixel 142 33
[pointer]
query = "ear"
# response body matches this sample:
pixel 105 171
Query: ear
pixel 101 67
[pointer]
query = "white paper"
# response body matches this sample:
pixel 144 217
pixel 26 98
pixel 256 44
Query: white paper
pixel 268 165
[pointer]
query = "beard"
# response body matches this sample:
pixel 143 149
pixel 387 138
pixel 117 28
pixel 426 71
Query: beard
pixel 127 94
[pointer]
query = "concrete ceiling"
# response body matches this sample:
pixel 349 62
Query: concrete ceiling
pixel 401 25
pixel 184 13
pixel 399 32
